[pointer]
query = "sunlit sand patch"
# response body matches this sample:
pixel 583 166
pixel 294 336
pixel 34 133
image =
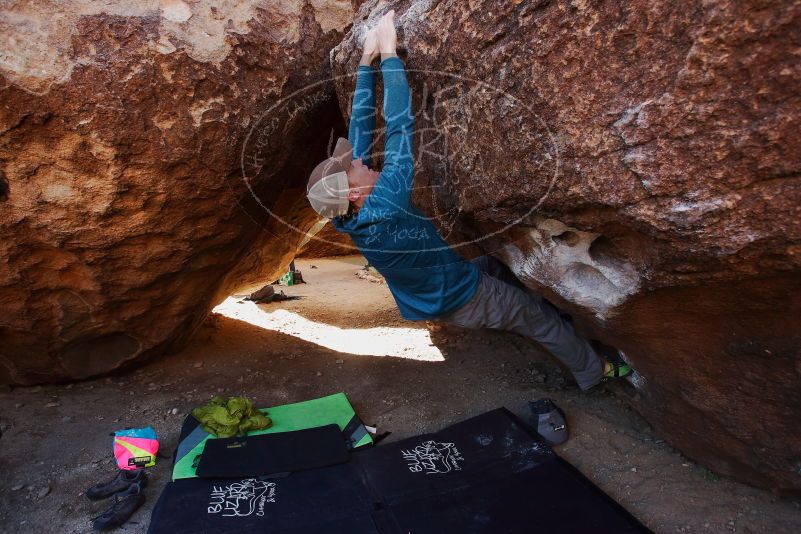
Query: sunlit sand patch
pixel 411 343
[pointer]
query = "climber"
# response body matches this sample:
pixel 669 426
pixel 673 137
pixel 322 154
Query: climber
pixel 427 279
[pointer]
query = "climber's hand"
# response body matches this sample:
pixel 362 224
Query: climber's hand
pixel 387 36
pixel 371 50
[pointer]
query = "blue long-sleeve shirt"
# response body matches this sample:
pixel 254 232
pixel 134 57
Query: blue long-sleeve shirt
pixel 425 276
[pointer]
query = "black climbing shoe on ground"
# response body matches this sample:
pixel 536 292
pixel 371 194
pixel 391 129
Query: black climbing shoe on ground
pixel 549 421
pixel 125 504
pixel 121 482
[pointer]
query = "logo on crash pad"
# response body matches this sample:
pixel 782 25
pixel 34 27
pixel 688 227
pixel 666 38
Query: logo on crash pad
pixel 432 457
pixel 241 499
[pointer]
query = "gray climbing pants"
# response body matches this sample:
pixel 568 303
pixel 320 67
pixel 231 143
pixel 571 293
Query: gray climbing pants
pixel 501 303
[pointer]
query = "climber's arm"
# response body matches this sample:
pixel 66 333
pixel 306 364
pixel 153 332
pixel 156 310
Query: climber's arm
pixel 362 115
pixel 397 174
pixel 398 117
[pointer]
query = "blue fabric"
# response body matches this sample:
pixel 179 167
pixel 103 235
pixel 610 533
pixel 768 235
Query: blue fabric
pixel 146 433
pixel 425 276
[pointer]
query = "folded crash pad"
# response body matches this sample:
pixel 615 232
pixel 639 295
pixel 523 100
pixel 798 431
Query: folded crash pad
pixel 333 409
pixel 278 452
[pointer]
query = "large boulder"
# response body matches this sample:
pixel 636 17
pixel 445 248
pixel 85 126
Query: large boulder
pixel 145 146
pixel 640 163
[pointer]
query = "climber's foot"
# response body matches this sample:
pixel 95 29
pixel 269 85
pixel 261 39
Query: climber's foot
pixel 615 369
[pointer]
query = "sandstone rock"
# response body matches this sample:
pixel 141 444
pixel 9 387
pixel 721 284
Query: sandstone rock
pixel 145 147
pixel 639 163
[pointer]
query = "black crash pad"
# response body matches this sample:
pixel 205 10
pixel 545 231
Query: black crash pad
pixel 266 454
pixel 326 500
pixel 487 475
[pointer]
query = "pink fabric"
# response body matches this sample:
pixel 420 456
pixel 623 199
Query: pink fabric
pixel 149 446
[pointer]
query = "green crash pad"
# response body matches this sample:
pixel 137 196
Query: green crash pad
pixel 333 409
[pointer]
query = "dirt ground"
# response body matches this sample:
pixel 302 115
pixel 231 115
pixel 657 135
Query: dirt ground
pixel 56 441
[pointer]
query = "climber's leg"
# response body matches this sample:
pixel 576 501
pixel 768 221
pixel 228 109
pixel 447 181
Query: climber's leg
pixel 502 306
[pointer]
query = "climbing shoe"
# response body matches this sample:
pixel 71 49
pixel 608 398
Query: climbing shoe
pixel 125 504
pixel 616 358
pixel 121 482
pixel 618 369
pixel 549 421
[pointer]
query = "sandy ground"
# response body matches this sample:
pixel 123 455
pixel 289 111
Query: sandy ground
pixel 56 439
